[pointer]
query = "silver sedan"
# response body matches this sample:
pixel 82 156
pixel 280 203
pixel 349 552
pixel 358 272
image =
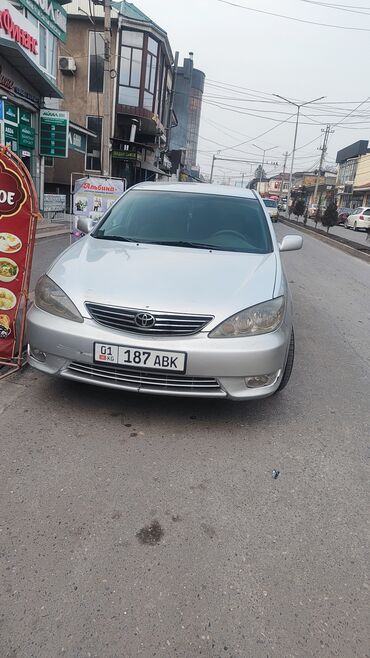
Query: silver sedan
pixel 178 290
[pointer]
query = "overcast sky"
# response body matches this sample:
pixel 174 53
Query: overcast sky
pixel 272 55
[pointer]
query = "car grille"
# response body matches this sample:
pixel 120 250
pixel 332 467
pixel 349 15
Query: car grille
pixel 144 381
pixel 169 324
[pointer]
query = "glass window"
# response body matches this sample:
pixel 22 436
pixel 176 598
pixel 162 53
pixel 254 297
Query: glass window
pixel 96 61
pixel 148 101
pixel 269 203
pixel 185 219
pixel 128 96
pixel 93 150
pixel 152 46
pixel 367 212
pixel 124 77
pixel 51 54
pixel 42 46
pixel 132 38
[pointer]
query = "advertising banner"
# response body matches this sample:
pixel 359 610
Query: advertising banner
pixel 18 215
pixel 94 196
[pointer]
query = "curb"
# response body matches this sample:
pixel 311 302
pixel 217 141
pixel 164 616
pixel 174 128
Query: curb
pixel 44 233
pixel 342 246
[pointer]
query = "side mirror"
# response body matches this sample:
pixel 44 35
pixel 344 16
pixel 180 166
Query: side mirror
pixel 85 224
pixel 291 243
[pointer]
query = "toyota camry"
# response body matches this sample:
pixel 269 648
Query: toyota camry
pixel 178 290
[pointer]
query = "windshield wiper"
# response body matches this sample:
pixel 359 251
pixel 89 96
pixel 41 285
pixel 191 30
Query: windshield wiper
pixel 117 238
pixel 186 243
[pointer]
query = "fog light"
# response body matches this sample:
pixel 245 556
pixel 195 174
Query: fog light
pixel 262 380
pixel 36 354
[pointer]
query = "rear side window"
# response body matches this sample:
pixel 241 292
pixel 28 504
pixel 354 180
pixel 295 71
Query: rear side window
pixel 367 212
pixel 226 223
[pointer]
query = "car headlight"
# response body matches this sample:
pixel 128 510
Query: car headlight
pixel 50 298
pixel 260 319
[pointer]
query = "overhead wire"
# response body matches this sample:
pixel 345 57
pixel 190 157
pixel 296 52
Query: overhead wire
pixel 293 18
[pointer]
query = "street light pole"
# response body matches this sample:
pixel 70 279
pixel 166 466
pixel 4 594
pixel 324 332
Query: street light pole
pixel 264 151
pixel 298 106
pixel 107 90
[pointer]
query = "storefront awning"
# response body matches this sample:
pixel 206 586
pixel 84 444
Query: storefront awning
pixel 150 167
pixel 30 71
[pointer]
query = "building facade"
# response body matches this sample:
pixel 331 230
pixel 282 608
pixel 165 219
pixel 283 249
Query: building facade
pixel 29 33
pixel 348 159
pixel 141 83
pixel 188 94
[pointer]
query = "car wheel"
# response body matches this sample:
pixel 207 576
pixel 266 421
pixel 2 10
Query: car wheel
pixel 346 224
pixel 289 364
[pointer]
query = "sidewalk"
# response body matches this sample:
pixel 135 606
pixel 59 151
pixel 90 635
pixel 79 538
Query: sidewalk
pixel 47 228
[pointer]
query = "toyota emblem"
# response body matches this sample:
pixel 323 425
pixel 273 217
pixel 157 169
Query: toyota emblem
pixel 144 320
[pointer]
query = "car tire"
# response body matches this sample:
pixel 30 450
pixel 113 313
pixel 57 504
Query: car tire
pixel 346 224
pixel 289 364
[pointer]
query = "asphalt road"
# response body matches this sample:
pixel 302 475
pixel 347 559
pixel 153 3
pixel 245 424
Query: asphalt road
pixel 45 251
pixel 242 564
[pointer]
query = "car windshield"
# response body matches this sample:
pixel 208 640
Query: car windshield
pixel 270 203
pixel 186 219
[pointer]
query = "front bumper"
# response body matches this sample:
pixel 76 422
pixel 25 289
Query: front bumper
pixel 215 367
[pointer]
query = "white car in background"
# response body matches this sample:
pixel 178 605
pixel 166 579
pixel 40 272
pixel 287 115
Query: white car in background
pixel 272 209
pixel 360 218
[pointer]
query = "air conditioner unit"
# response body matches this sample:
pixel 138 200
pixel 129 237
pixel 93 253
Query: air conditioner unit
pixel 67 65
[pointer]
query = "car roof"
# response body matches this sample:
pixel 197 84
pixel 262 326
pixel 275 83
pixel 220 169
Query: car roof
pixel 198 188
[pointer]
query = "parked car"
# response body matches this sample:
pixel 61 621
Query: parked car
pixel 178 290
pixel 359 218
pixel 272 209
pixel 343 214
pixel 312 210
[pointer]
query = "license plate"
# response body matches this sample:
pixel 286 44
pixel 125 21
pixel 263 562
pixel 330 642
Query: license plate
pixel 137 357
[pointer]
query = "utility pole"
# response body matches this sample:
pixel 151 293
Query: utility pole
pixel 243 179
pixel 283 175
pixel 107 89
pixel 323 149
pixel 298 106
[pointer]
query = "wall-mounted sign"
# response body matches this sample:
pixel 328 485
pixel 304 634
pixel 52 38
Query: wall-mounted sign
pixel 126 155
pixel 26 136
pixel 25 117
pixel 54 128
pixel 77 141
pixel 15 27
pixel 11 137
pixel 10 112
pixel 18 212
pixel 50 14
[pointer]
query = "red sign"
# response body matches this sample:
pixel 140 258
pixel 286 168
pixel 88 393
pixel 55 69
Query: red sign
pixel 16 33
pixel 18 214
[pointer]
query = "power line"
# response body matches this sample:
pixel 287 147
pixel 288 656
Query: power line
pixel 291 18
pixel 346 8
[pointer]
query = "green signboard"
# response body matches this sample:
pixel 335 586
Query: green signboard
pixel 50 14
pixel 10 112
pixel 25 117
pixel 11 137
pixel 77 141
pixel 126 155
pixel 54 129
pixel 26 137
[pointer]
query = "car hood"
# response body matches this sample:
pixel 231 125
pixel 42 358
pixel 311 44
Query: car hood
pixel 163 278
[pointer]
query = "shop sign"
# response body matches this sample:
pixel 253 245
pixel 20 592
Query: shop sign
pixel 11 137
pixel 26 136
pixel 25 117
pixel 10 113
pixel 77 141
pixel 50 14
pixel 1 110
pixel 18 213
pixel 93 196
pixel 15 27
pixel 54 129
pixel 127 155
